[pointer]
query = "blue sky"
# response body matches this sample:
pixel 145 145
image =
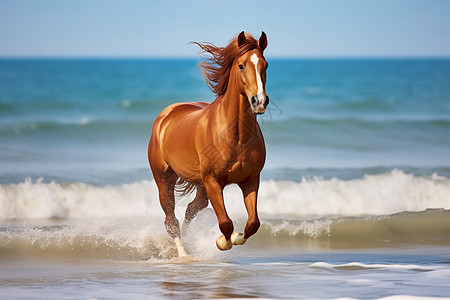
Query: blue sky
pixel 144 28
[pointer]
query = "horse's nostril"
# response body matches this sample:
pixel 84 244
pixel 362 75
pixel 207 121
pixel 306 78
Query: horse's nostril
pixel 266 101
pixel 254 100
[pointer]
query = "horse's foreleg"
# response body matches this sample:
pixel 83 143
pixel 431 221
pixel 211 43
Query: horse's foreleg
pixel 250 192
pixel 215 194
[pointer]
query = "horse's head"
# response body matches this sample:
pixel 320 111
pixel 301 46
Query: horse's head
pixel 252 69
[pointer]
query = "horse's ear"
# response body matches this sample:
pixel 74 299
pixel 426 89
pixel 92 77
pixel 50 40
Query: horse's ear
pixel 262 41
pixel 241 39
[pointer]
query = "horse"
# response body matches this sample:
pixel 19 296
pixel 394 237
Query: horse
pixel 207 146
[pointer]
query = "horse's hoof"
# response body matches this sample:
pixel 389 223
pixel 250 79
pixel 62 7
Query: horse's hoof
pixel 223 244
pixel 237 238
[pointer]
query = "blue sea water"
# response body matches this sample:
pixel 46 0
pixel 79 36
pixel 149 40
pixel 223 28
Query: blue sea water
pixel 85 116
pixel 354 199
pixel 94 116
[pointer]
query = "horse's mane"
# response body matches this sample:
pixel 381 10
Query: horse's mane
pixel 217 70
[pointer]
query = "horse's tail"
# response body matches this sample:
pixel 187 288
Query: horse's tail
pixel 184 188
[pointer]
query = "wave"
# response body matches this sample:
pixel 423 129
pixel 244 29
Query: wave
pixel 356 133
pixel 79 126
pixel 429 227
pixel 146 239
pixel 381 194
pixel 358 121
pixel 137 113
pixel 37 200
pixel 126 222
pixel 364 104
pixel 132 240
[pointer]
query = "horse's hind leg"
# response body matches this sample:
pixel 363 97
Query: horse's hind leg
pixel 166 186
pixel 200 202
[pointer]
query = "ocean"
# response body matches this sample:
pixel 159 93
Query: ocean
pixel 354 200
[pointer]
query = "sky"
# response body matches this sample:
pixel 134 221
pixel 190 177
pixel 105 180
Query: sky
pixel 295 28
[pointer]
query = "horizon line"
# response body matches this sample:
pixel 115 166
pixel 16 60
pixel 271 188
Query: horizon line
pixel 160 57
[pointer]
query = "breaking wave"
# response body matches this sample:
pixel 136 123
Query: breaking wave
pixel 126 222
pixel 382 194
pixel 140 239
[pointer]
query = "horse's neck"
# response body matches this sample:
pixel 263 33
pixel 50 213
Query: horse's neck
pixel 239 120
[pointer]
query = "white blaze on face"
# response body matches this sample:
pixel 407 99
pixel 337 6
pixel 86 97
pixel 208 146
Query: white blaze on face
pixel 259 95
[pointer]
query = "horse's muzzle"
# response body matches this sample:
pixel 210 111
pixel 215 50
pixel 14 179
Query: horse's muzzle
pixel 259 107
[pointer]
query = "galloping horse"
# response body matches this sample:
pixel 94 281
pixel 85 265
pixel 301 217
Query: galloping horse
pixel 208 146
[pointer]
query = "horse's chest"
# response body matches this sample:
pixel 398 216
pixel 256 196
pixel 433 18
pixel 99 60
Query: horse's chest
pixel 245 166
pixel 239 171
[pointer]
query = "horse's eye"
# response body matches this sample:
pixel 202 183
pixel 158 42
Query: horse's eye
pixel 241 67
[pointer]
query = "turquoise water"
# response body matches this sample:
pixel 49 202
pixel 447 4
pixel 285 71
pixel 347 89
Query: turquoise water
pixel 354 199
pixel 75 115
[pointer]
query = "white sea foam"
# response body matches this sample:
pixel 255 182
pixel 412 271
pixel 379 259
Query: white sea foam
pixel 123 238
pixel 76 200
pixel 309 228
pixel 372 195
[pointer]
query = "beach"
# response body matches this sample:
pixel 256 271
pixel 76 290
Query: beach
pixel 354 199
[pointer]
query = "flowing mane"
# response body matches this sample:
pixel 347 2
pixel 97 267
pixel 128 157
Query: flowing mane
pixel 217 70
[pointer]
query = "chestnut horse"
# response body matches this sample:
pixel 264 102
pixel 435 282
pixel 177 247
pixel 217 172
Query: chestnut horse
pixel 208 146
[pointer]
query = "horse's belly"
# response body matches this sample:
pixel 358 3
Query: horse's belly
pixel 185 164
